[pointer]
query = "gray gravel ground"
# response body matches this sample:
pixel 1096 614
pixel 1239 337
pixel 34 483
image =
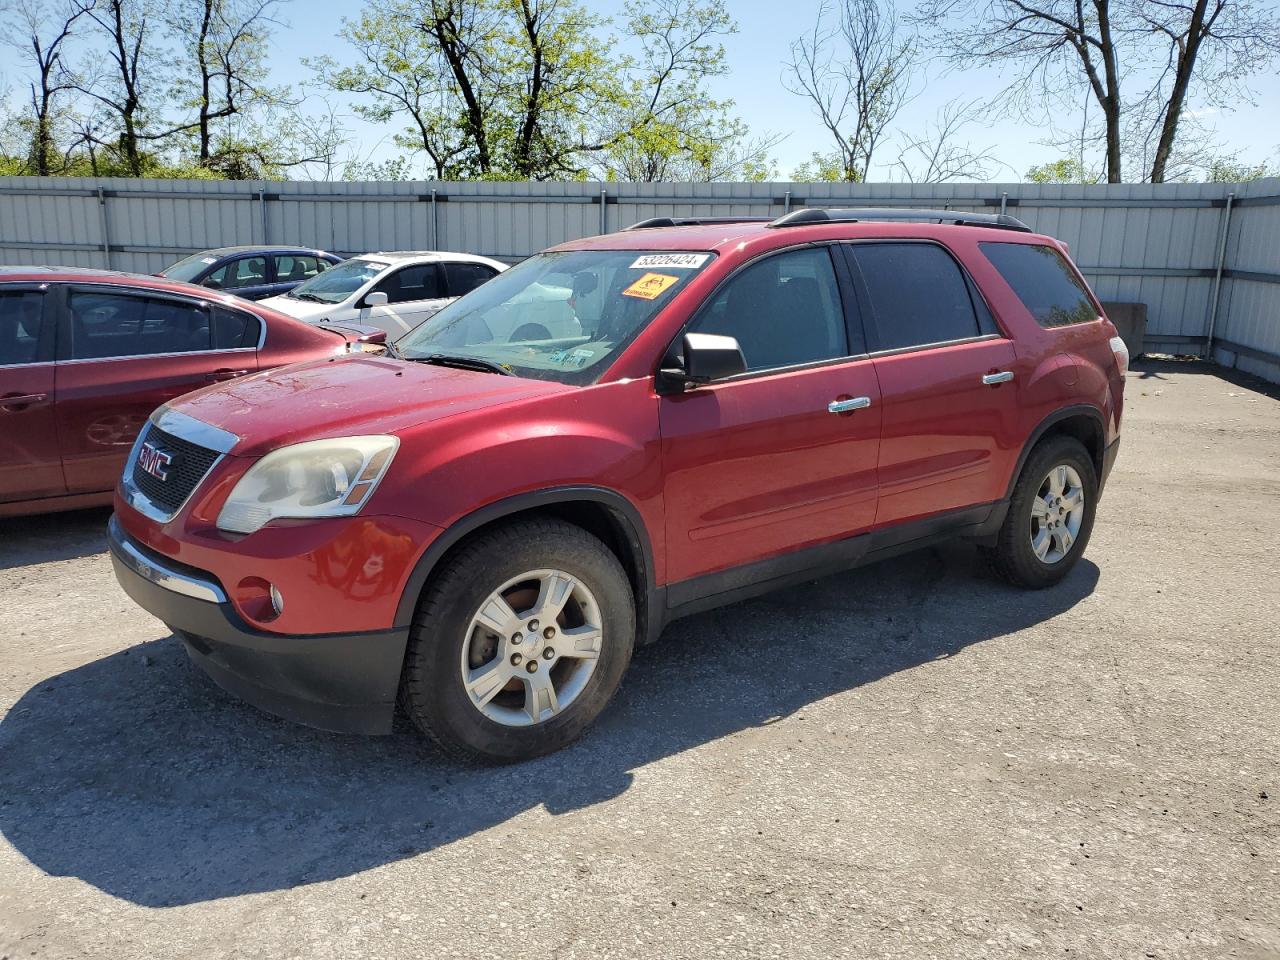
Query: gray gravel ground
pixel 908 760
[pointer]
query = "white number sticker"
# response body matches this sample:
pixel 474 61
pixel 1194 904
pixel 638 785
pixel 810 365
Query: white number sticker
pixel 673 261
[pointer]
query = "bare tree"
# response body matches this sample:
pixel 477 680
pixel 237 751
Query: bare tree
pixel 116 84
pixel 40 33
pixel 1058 47
pixel 225 42
pixel 856 67
pixel 938 155
pixel 1053 44
pixel 1215 41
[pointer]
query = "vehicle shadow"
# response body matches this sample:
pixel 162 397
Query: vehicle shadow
pixel 51 537
pixel 138 776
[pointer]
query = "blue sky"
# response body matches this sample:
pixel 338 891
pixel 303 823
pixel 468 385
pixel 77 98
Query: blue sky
pixel 756 55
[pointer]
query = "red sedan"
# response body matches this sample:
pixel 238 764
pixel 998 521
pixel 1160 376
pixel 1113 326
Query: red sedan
pixel 86 355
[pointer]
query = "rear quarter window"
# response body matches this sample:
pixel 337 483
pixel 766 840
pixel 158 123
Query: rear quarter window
pixel 1043 281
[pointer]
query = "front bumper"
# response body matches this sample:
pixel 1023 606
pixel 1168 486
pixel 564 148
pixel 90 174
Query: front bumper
pixel 343 682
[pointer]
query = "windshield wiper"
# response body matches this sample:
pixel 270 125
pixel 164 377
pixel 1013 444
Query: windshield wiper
pixel 307 296
pixel 463 363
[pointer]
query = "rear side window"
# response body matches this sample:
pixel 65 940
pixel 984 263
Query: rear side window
pixel 19 327
pixel 1043 281
pixel 122 325
pixel 918 295
pixel 462 278
pixel 419 282
pixel 245 272
pixel 294 268
pixel 233 329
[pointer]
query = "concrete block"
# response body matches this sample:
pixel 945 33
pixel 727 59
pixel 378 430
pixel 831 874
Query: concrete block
pixel 1131 321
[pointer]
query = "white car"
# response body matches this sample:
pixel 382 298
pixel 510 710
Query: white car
pixel 392 291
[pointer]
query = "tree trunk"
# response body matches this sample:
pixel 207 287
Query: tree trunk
pixel 1178 95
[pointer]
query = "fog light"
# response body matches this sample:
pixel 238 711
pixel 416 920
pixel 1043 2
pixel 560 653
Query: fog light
pixel 277 601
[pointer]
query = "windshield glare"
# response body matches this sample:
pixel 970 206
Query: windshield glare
pixel 558 316
pixel 338 282
pixel 188 269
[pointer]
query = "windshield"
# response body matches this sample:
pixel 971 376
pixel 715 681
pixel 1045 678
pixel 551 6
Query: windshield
pixel 190 268
pixel 557 316
pixel 338 282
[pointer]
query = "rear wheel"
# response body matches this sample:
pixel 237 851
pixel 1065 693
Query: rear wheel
pixel 519 643
pixel 1050 515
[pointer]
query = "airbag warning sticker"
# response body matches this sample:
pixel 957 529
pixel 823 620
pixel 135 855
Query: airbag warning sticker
pixel 650 286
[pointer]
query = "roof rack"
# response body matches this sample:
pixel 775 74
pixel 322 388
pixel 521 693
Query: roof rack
pixel 693 221
pixel 811 215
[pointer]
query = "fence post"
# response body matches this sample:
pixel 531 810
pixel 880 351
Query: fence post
pixel 1004 201
pixel 604 208
pixel 1217 274
pixel 262 207
pixel 435 225
pixel 786 203
pixel 106 230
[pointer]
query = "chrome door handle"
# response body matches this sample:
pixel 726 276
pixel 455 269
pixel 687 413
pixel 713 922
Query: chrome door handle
pixel 16 402
pixel 848 406
pixel 991 379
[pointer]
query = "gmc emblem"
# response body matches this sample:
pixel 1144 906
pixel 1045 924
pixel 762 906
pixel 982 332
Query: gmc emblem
pixel 155 461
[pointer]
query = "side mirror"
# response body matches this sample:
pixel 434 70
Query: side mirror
pixel 375 299
pixel 213 283
pixel 707 357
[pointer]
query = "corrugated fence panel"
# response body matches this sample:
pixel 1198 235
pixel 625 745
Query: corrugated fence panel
pixel 1157 244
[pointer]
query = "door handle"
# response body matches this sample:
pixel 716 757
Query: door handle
pixel 15 402
pixel 220 375
pixel 848 406
pixel 991 379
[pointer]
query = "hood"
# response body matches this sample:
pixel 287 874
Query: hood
pixel 302 309
pixel 354 395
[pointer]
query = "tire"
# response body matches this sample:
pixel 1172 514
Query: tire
pixel 519 563
pixel 1014 557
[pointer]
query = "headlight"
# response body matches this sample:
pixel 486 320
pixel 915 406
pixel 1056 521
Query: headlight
pixel 320 478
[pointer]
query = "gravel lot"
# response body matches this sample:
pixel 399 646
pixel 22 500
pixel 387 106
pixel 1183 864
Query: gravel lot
pixel 908 760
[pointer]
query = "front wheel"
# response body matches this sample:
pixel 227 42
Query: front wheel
pixel 519 643
pixel 1050 515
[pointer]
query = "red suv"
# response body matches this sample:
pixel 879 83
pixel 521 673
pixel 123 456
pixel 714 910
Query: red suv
pixel 486 526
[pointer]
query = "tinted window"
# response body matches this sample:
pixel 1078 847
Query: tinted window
pixel 462 278
pixel 783 310
pixel 233 329
pixel 122 325
pixel 918 295
pixel 245 272
pixel 296 268
pixel 412 283
pixel 1043 281
pixel 19 327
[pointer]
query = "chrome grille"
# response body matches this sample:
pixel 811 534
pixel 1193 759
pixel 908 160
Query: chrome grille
pixel 189 465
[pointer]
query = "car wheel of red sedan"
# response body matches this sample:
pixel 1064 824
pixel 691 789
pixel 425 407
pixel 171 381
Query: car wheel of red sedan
pixel 519 643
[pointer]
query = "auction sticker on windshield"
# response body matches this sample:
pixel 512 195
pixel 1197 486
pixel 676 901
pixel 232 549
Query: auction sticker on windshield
pixel 650 286
pixel 672 261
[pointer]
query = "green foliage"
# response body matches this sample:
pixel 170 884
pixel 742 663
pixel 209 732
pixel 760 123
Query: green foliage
pixel 1066 170
pixel 1231 170
pixel 825 168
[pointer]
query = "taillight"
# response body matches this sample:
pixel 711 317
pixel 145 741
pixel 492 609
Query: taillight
pixel 1121 352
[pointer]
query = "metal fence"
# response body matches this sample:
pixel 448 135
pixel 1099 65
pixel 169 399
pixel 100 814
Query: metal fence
pixel 1204 258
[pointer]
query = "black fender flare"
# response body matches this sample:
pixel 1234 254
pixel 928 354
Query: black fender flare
pixel 1045 425
pixel 630 523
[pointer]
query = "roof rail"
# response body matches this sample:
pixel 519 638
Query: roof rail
pixel 812 215
pixel 693 221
